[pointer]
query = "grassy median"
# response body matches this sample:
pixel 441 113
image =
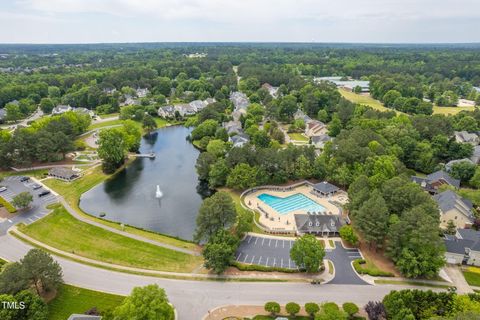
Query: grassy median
pixel 72 299
pixel 62 231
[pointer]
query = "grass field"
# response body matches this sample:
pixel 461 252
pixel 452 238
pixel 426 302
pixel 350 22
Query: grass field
pixel 72 299
pixel 104 124
pixel 62 231
pixel 472 276
pixel 365 100
pixel 297 136
pixel 72 191
pixel 450 110
pixel 370 268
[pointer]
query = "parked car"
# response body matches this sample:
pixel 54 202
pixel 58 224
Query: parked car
pixel 23 179
pixel 3 189
pixel 43 193
pixel 36 186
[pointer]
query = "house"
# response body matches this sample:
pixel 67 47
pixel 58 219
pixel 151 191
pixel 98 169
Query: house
pixel 84 111
pixel 455 208
pixel 3 114
pixel 320 141
pixel 315 128
pixel 463 247
pixel 347 84
pixel 325 189
pixel 239 140
pixel 318 224
pixel 466 137
pixel 239 100
pixel 299 114
pixel 233 127
pixel 198 105
pixel 475 158
pixel 273 91
pixel 166 111
pixel 451 163
pixel 185 109
pixel 465 103
pixel 129 101
pixel 109 90
pixel 63 174
pixel 433 181
pixel 141 92
pixel 61 108
pixel 210 101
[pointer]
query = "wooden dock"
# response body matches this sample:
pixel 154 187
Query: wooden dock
pixel 150 155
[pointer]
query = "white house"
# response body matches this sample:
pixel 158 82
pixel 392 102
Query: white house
pixel 61 108
pixel 463 247
pixel 166 111
pixel 466 137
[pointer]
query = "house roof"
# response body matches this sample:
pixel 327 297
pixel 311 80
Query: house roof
pixel 443 175
pixel 63 172
pixel 325 187
pixel 321 138
pixel 468 234
pixel 317 223
pixel 464 238
pixel 449 200
pixel 466 136
pixel 459 246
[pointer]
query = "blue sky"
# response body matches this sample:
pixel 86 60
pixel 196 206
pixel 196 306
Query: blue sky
pixel 91 21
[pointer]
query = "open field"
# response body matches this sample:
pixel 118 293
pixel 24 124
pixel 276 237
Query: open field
pixel 83 239
pixel 71 191
pixel 297 136
pixel 72 299
pixel 365 100
pixel 104 124
pixel 450 110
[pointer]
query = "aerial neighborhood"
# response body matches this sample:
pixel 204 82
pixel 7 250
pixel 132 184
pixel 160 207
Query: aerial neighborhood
pixel 203 181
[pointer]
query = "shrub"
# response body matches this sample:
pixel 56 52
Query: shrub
pixel 375 310
pixel 292 308
pixel 254 267
pixel 272 307
pixel 311 308
pixel 350 308
pixel 347 234
pixel 7 205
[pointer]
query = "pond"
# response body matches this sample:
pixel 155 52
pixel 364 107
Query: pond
pixel 130 196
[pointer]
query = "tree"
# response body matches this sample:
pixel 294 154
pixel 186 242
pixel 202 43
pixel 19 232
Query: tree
pixel 111 148
pixel 22 200
pixel 463 170
pixel 131 135
pixel 372 219
pixel 451 227
pixel 216 147
pixel 43 272
pixel 475 180
pixel 8 313
pixel 390 97
pixel 149 123
pixel 292 308
pixel 272 307
pixel 375 310
pixel 147 303
pixel 204 161
pixel 335 126
pixel 308 253
pixel 331 311
pixel 347 234
pixel 47 105
pixel 216 212
pixel 219 251
pixel 12 278
pixel 287 107
pixel 35 307
pixel 311 308
pixel 350 308
pixel 218 174
pixel 13 112
pixel 242 177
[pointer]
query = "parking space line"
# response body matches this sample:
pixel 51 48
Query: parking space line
pixel 281 263
pixel 274 261
pixel 245 258
pixel 276 242
pixel 259 260
pixel 263 240
pixel 290 244
pixel 238 258
pixel 283 243
pixel 266 263
pixel 289 264
pixel 256 239
pixel 10 221
pixel 30 219
pixel 252 259
pixel 269 241
pixel 249 239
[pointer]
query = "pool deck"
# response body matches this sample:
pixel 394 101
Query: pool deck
pixel 286 222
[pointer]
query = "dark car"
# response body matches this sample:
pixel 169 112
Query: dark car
pixel 23 179
pixel 36 186
pixel 44 193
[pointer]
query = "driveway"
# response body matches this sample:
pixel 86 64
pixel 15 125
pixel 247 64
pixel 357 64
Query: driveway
pixel 38 208
pixel 275 252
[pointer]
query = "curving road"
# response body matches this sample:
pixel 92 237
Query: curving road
pixel 193 299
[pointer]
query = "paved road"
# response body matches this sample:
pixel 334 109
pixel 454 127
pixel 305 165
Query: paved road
pixel 193 299
pixel 272 252
pixel 38 208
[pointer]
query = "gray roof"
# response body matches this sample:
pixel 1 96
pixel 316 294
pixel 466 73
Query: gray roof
pixel 443 175
pixel 317 223
pixel 476 155
pixel 449 200
pixel 321 138
pixel 465 136
pixel 468 234
pixel 63 173
pixel 325 187
pixel 459 246
pixel 465 238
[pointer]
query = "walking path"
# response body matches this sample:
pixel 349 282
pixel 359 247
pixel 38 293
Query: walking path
pixel 455 274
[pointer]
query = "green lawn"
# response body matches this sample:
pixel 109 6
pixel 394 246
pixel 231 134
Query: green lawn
pixel 108 115
pixel 72 299
pixel 62 231
pixel 72 191
pixel 472 276
pixel 370 268
pixel 297 136
pixel 365 100
pixel 104 124
pixel 31 173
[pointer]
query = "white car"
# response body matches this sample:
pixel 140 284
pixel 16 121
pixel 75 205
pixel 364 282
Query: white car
pixel 3 189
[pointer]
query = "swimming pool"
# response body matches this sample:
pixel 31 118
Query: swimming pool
pixel 294 202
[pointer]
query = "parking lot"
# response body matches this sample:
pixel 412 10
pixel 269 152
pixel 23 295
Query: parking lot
pixel 38 207
pixel 275 252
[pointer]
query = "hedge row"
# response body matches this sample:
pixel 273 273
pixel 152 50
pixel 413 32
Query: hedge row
pixel 7 205
pixel 254 267
pixel 358 265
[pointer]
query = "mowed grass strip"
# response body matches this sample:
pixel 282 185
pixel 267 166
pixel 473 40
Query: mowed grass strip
pixel 72 191
pixel 472 276
pixel 365 100
pixel 62 231
pixel 450 110
pixel 72 299
pixel 297 136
